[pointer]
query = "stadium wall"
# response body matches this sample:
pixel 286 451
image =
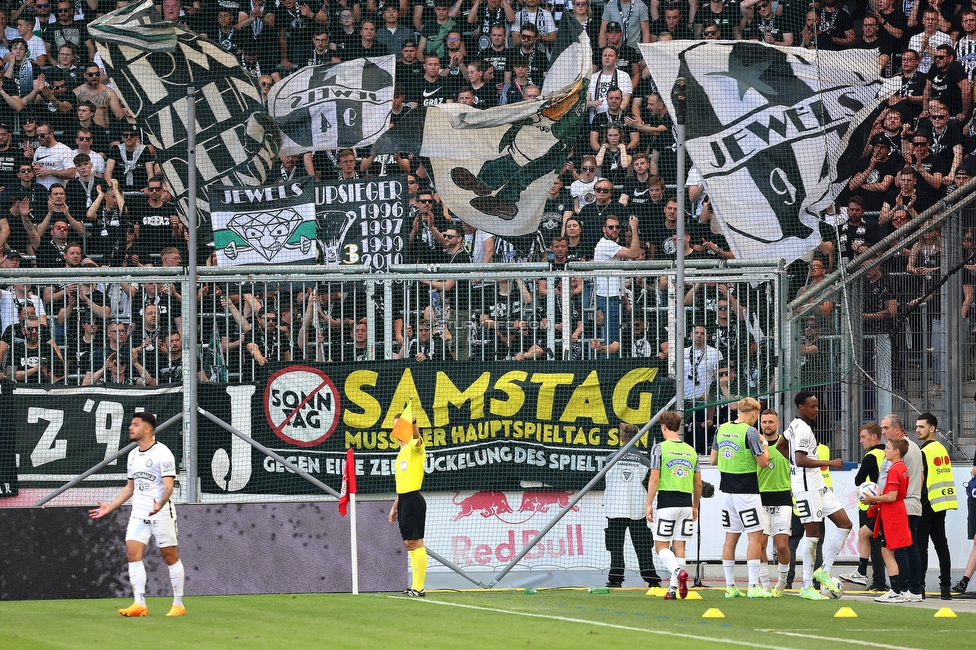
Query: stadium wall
pixel 253 548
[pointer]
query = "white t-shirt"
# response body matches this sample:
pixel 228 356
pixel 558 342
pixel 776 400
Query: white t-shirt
pixel 147 469
pixel 701 367
pixel 57 157
pixel 801 438
pixel 9 305
pixel 611 286
pixel 926 60
pixel 625 495
pixel 98 163
pixel 600 85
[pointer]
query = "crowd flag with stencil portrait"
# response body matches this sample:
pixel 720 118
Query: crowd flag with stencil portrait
pixel 774 131
pixel 334 107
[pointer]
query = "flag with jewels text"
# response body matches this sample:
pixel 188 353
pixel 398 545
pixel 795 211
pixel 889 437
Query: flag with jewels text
pixel 775 132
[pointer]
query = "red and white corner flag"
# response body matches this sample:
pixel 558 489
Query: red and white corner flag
pixel 348 482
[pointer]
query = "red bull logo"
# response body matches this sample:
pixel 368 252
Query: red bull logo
pixel 466 552
pixel 487 503
pixel 491 503
pixel 541 500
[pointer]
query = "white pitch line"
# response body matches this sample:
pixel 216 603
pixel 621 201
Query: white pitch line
pixel 873 644
pixel 567 619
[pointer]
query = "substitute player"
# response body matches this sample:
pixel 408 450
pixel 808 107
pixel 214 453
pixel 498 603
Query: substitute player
pixel 777 501
pixel 676 481
pixel 152 474
pixel 739 451
pixel 410 508
pixel 813 499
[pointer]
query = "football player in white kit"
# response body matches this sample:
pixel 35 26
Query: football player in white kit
pixel 152 475
pixel 813 500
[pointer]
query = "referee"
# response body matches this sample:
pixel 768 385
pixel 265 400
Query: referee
pixel 410 508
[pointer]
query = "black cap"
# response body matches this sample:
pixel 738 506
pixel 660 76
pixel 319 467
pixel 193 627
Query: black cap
pixel 880 139
pixel 614 27
pixel 967 168
pixel 11 253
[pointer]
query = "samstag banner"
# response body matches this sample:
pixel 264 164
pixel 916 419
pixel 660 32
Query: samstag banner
pixel 773 131
pixel 334 107
pixel 490 427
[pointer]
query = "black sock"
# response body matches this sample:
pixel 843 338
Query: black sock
pixel 895 584
pixel 862 566
pixel 964 580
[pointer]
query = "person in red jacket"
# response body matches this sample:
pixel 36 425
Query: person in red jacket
pixel 891 521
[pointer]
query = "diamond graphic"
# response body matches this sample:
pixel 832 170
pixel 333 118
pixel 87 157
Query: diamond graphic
pixel 267 232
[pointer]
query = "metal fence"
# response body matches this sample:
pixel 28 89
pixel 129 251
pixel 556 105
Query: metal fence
pixel 96 326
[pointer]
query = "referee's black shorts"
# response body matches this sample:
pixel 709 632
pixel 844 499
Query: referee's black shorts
pixel 412 515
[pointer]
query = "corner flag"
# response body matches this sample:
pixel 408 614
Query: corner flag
pixel 348 481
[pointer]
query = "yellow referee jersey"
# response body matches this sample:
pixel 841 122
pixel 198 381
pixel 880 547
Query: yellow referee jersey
pixel 410 466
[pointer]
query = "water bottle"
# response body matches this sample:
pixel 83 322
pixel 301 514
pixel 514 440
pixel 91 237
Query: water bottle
pixel 531 591
pixel 599 590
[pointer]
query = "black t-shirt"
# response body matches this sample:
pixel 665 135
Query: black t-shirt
pixel 499 63
pixel 876 296
pixel 945 141
pixel 551 223
pixel 155 228
pixel 932 164
pixel 357 51
pixel 874 200
pixel 136 167
pixel 593 216
pixel 849 235
pixel 637 195
pixel 881 44
pixel 49 255
pixel 538 65
pixel 486 96
pixel 10 160
pixel 833 24
pixel 726 20
pixel 945 86
pixel 898 20
pixel 911 86
pixel 758 27
pixel 679 33
pixel 169 308
pixel 431 93
pixel 79 196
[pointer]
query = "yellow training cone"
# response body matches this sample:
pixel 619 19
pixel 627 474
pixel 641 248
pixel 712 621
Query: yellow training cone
pixel 713 612
pixel 945 612
pixel 845 612
pixel 657 592
pixel 693 595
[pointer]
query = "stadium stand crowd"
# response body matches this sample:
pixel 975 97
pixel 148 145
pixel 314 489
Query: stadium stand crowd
pixel 81 189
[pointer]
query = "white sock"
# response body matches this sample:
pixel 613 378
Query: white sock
pixel 669 560
pixel 808 552
pixel 137 576
pixel 681 562
pixel 753 572
pixel 729 567
pixel 764 574
pixel 784 570
pixel 176 575
pixel 834 547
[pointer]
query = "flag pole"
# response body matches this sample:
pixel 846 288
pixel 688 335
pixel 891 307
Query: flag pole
pixel 353 543
pixel 679 100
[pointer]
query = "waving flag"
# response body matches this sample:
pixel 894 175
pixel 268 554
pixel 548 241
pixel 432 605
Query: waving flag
pixel 151 62
pixel 774 132
pixel 334 107
pixel 494 167
pixel 348 481
pixel 403 427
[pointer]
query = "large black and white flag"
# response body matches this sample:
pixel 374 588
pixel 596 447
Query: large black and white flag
pixel 773 131
pixel 151 62
pixel 334 106
pixel 494 167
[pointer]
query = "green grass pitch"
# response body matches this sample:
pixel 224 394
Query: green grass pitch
pixel 557 618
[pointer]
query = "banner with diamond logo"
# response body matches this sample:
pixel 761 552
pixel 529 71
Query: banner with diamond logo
pixel 273 224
